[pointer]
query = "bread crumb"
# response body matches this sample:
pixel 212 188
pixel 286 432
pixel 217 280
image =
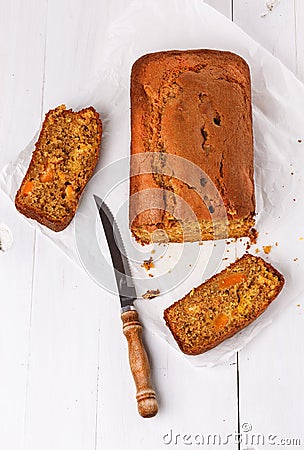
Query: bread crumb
pixel 298 305
pixel 267 249
pixel 152 252
pixel 276 244
pixel 301 238
pixel 151 293
pixel 257 251
pixel 299 141
pixel 148 264
pixel 295 259
pixel 253 236
pixel 270 4
pixel 150 275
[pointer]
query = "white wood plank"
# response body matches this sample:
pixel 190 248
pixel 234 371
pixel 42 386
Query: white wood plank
pixel 271 381
pixel 63 376
pixel 78 30
pixel 223 6
pixel 67 307
pixel 299 14
pixel 16 266
pixel 271 371
pixel 22 47
pixel 65 324
pixel 275 31
pixel 22 36
pixel 180 387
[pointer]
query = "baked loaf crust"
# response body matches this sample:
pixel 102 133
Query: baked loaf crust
pixel 223 305
pixel 191 146
pixel 64 160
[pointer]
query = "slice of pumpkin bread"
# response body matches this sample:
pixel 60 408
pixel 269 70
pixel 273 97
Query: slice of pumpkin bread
pixel 223 305
pixel 64 160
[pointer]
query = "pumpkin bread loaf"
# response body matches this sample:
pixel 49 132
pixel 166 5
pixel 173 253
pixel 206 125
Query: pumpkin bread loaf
pixel 191 147
pixel 64 160
pixel 223 305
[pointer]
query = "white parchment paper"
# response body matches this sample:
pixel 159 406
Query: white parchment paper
pixel 278 113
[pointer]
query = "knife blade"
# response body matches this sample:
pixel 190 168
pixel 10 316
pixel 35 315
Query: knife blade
pixel 132 328
pixel 123 275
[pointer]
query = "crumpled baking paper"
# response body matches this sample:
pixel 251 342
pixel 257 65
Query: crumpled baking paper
pixel 278 117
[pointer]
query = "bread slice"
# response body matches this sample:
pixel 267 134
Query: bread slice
pixel 223 305
pixel 64 160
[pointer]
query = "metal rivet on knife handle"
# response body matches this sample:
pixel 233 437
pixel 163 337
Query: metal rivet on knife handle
pixel 139 363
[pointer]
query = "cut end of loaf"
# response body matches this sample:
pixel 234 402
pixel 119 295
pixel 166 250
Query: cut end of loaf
pixel 173 230
pixel 64 159
pixel 223 305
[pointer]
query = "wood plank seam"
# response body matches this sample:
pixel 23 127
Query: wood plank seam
pixel 299 35
pixel 29 340
pixel 238 399
pixel 97 393
pixel 296 30
pixel 44 62
pixel 237 354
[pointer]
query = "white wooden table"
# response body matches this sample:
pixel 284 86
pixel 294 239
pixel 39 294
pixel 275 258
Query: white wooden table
pixel 64 378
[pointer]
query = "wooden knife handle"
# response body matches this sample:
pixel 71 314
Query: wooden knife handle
pixel 139 363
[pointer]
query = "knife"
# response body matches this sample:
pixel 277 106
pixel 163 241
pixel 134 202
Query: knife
pixel 132 328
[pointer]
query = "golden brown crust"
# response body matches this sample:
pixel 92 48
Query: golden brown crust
pixel 35 209
pixel 192 320
pixel 196 105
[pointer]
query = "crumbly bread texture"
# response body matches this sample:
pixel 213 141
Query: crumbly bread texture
pixel 64 160
pixel 191 110
pixel 223 305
